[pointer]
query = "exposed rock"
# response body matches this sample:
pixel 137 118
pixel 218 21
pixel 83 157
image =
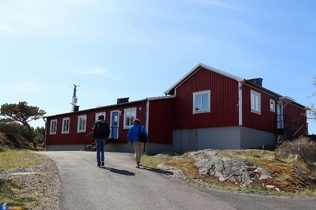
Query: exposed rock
pixel 210 163
pixel 265 173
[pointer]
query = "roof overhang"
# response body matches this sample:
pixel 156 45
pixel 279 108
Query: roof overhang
pixel 285 99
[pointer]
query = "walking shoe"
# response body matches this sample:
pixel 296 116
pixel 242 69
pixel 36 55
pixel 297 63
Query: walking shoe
pixel 98 164
pixel 102 163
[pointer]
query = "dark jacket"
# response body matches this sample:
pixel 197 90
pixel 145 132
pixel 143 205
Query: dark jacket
pixel 98 135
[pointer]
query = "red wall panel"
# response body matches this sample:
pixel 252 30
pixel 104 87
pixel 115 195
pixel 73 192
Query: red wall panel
pixel 266 120
pixel 161 116
pixel 224 100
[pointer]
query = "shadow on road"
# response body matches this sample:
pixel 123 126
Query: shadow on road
pixel 118 171
pixel 157 170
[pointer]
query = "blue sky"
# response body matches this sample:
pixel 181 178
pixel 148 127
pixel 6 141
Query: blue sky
pixel 121 48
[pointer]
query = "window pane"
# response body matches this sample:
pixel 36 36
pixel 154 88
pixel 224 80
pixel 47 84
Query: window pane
pixel 205 101
pixel 252 101
pixel 127 119
pixel 198 101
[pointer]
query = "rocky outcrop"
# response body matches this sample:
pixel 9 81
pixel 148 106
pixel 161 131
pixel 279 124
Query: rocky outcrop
pixel 210 163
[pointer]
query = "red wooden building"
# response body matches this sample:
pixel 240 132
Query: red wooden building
pixel 207 108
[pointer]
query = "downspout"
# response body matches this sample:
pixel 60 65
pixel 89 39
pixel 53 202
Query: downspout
pixel 146 120
pixel 240 110
pixel 45 120
pixel 276 122
pixel 240 103
pixel 147 113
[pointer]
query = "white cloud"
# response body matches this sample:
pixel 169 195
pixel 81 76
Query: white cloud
pixel 97 71
pixel 5 27
pixel 91 72
pixel 21 87
pixel 32 16
pixel 218 4
pixel 28 86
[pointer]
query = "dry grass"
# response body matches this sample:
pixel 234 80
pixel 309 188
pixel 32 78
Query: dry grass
pixel 291 176
pixel 11 159
pixel 13 190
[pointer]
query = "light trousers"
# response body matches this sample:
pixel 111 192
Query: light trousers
pixel 138 148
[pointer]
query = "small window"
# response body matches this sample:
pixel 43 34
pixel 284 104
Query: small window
pixel 99 113
pixel 66 124
pixel 255 102
pixel 272 105
pixel 201 102
pixel 82 119
pixel 53 127
pixel 129 116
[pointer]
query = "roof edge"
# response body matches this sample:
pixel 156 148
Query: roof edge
pixel 205 67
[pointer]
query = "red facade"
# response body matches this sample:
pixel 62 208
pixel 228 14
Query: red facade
pixel 224 101
pixel 75 137
pixel 230 106
pixel 265 121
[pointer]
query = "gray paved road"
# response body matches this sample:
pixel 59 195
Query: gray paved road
pixel 121 186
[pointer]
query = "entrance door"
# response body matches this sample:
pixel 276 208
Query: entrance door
pixel 280 115
pixel 114 124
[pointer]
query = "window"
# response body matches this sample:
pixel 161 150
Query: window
pixel 99 113
pixel 81 123
pixel 272 105
pixel 66 123
pixel 255 102
pixel 53 127
pixel 129 116
pixel 201 102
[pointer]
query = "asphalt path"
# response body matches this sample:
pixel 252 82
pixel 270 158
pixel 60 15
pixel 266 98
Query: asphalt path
pixel 119 185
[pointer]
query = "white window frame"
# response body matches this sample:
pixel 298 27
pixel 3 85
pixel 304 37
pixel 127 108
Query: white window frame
pixel 53 127
pixel 255 102
pixel 129 112
pixel 196 103
pixel 99 113
pixel 82 123
pixel 65 125
pixel 272 105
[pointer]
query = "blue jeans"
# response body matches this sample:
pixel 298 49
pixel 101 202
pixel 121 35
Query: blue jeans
pixel 100 143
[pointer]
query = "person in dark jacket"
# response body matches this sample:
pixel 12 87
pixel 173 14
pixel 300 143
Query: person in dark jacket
pixel 101 132
pixel 132 137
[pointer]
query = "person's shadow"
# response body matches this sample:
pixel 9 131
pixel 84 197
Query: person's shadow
pixel 118 171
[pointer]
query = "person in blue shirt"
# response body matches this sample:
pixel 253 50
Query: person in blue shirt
pixel 132 138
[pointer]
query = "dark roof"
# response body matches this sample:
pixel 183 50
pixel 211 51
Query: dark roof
pixel 100 107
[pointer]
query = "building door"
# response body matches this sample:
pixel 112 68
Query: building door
pixel 114 124
pixel 280 115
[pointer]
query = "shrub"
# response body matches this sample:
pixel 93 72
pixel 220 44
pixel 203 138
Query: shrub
pixel 302 148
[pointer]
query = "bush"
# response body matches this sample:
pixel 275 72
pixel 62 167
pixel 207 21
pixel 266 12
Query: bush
pixel 302 148
pixel 13 127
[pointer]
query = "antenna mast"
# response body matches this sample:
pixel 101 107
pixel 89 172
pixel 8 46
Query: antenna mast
pixel 74 106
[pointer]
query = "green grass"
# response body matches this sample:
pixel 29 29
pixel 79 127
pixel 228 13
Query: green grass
pixel 11 193
pixel 12 159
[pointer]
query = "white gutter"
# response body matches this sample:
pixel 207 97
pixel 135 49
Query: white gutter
pixel 240 102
